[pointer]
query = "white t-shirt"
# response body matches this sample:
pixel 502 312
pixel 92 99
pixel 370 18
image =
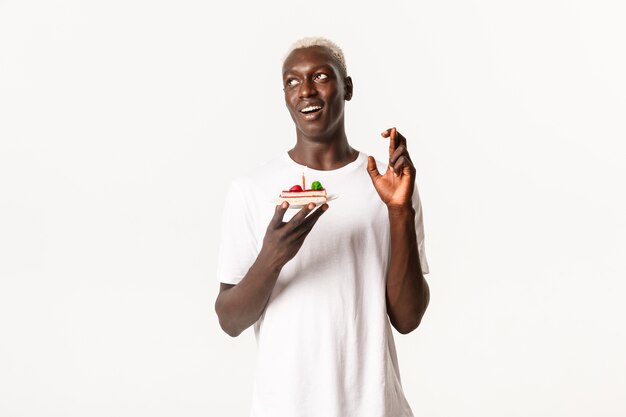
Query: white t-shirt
pixel 325 345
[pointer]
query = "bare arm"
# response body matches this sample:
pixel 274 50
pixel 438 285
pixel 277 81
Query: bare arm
pixel 407 291
pixel 240 306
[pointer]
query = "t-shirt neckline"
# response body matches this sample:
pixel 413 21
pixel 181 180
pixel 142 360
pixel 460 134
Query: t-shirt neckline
pixel 346 168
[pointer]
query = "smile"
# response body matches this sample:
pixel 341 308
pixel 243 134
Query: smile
pixel 311 109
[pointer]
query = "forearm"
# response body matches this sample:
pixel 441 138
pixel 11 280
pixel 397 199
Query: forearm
pixel 407 290
pixel 241 306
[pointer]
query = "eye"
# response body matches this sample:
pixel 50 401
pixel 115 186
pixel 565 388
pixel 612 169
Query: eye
pixel 291 82
pixel 321 76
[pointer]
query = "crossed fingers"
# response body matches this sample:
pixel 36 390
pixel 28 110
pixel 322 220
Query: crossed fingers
pixel 399 157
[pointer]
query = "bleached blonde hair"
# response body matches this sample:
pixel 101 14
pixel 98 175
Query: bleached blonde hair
pixel 331 46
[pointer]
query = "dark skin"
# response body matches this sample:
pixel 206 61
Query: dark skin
pixel 313 79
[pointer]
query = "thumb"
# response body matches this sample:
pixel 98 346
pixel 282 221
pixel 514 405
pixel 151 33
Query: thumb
pixel 372 169
pixel 277 219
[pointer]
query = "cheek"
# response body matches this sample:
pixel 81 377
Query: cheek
pixel 337 100
pixel 290 102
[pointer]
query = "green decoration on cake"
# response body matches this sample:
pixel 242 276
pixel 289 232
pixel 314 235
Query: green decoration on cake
pixel 316 186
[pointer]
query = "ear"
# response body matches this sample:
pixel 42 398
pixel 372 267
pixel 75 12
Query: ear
pixel 348 88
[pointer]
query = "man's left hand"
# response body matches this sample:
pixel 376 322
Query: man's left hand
pixel 395 186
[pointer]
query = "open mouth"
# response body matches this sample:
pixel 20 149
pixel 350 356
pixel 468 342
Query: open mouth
pixel 311 109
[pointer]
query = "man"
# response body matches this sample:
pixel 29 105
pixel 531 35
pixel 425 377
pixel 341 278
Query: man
pixel 322 286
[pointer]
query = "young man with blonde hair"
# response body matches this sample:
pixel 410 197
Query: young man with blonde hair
pixel 323 286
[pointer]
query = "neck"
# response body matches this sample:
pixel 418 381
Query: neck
pixel 323 155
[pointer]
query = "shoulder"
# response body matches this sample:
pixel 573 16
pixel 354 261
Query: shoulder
pixel 257 186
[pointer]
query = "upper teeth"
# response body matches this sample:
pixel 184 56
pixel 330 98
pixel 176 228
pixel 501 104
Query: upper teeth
pixel 310 109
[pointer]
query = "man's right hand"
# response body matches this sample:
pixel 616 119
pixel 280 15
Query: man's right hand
pixel 283 240
pixel 240 306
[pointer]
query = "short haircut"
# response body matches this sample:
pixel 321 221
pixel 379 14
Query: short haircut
pixel 331 46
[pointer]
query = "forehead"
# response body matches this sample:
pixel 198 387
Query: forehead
pixel 303 59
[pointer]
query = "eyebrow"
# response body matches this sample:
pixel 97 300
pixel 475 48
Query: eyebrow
pixel 322 66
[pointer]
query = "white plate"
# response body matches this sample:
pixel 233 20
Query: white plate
pixel 299 206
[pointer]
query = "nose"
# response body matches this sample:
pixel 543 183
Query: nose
pixel 307 88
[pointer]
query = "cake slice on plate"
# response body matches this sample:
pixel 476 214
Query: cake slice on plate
pixel 297 196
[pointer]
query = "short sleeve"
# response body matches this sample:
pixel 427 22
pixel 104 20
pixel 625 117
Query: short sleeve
pixel 238 243
pixel 419 228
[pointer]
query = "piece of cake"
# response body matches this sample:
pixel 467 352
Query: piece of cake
pixel 297 196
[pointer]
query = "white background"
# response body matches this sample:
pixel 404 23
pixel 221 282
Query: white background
pixel 123 122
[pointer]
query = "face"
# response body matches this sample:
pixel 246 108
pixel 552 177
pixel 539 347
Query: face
pixel 315 92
